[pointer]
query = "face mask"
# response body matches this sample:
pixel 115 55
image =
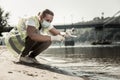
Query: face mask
pixel 45 24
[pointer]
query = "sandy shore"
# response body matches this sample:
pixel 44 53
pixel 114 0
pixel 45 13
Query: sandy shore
pixel 12 71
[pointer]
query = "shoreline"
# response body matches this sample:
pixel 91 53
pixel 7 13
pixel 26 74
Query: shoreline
pixel 12 71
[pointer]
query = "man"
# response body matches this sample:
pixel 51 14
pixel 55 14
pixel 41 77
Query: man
pixel 38 36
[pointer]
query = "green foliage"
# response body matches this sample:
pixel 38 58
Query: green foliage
pixel 3 20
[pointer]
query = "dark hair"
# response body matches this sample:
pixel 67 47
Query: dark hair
pixel 47 11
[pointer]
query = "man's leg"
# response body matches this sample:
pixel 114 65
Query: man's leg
pixel 38 48
pixel 28 46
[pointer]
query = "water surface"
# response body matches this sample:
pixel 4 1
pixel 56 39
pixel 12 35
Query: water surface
pixel 99 62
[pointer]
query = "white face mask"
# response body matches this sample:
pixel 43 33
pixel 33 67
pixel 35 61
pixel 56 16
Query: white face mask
pixel 45 24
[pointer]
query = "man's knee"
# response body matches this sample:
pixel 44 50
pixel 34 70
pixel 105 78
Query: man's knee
pixel 48 43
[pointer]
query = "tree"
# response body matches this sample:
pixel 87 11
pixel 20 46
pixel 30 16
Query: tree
pixel 3 20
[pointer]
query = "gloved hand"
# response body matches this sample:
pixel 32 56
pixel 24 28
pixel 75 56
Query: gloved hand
pixel 68 33
pixel 57 38
pixel 63 33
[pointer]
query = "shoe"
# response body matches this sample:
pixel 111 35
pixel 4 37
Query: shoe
pixel 26 59
pixel 35 60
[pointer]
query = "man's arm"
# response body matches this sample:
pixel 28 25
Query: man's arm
pixel 33 34
pixel 54 31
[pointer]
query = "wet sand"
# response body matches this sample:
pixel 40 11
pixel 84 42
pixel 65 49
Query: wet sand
pixel 12 71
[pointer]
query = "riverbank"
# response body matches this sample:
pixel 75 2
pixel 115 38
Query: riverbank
pixel 12 71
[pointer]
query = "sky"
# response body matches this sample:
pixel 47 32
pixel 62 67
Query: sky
pixel 66 11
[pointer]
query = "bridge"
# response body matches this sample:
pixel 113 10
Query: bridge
pixel 110 22
pixel 89 25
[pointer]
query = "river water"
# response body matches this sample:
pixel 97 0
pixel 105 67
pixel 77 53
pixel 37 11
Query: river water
pixel 92 62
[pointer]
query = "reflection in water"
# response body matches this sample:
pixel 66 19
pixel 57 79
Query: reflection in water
pixel 93 62
pixel 86 51
pixel 69 51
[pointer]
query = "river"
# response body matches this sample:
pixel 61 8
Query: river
pixel 92 62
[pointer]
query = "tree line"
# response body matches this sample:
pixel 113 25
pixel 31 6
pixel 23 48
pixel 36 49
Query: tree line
pixel 4 26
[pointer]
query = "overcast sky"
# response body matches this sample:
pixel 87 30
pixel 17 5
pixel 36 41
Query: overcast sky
pixel 66 11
